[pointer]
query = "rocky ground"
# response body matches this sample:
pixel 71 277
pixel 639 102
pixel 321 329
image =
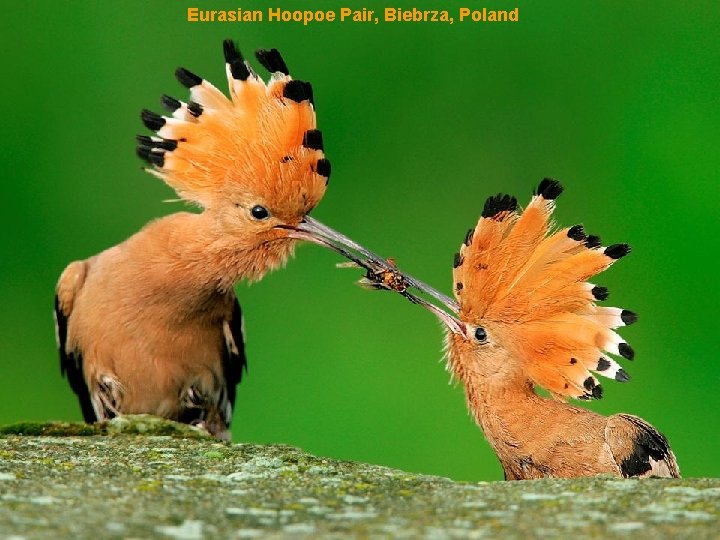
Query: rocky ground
pixel 141 477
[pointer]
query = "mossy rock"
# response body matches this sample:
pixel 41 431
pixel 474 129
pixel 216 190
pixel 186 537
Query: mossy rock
pixel 142 477
pixel 137 424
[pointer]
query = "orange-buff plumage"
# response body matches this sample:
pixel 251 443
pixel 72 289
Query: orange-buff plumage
pixel 152 325
pixel 526 317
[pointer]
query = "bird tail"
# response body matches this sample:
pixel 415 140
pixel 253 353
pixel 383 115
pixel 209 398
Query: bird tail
pixel 212 144
pixel 530 281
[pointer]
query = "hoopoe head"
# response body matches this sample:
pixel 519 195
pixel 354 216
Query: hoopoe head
pixel 525 303
pixel 254 160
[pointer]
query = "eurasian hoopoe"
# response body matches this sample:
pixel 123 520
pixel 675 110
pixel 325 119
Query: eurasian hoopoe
pixel 152 325
pixel 527 317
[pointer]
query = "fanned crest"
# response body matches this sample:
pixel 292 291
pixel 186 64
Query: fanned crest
pixel 262 138
pixel 526 282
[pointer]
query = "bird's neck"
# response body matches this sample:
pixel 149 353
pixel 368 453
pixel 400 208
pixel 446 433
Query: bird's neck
pixel 204 258
pixel 502 400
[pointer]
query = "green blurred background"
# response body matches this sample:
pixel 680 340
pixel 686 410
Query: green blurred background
pixel 422 122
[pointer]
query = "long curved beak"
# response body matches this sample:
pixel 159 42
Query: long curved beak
pixel 455 325
pixel 381 273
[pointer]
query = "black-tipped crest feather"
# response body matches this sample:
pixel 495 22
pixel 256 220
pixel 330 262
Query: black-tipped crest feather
pixel 626 351
pixel 194 108
pixel 628 317
pixel 549 189
pixel 152 121
pixel 164 144
pixel 146 154
pixel 593 241
pixel 469 237
pixel 600 293
pixel 313 139
pixel 617 251
pixel 577 233
pixel 457 260
pixel 272 61
pixel 235 60
pixel 170 103
pixel 602 364
pixel 298 91
pixel 499 203
pixel 323 167
pixel 187 78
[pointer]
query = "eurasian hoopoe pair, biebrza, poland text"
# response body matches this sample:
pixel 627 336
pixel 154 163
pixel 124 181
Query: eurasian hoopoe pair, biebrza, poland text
pixel 152 325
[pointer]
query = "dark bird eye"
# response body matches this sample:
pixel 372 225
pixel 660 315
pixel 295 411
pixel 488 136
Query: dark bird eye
pixel 259 212
pixel 480 334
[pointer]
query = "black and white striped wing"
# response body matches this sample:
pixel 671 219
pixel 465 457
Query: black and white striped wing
pixel 71 365
pixel 234 360
pixel 639 449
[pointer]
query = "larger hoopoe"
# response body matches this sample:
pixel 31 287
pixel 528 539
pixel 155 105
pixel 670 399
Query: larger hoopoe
pixel 152 325
pixel 527 317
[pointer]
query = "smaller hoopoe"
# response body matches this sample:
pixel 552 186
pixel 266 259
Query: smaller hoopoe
pixel 528 317
pixel 152 324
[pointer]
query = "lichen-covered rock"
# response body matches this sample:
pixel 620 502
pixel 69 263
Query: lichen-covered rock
pixel 145 477
pixel 136 424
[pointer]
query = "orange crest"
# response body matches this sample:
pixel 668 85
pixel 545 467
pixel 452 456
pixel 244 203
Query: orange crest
pixel 263 140
pixel 527 285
